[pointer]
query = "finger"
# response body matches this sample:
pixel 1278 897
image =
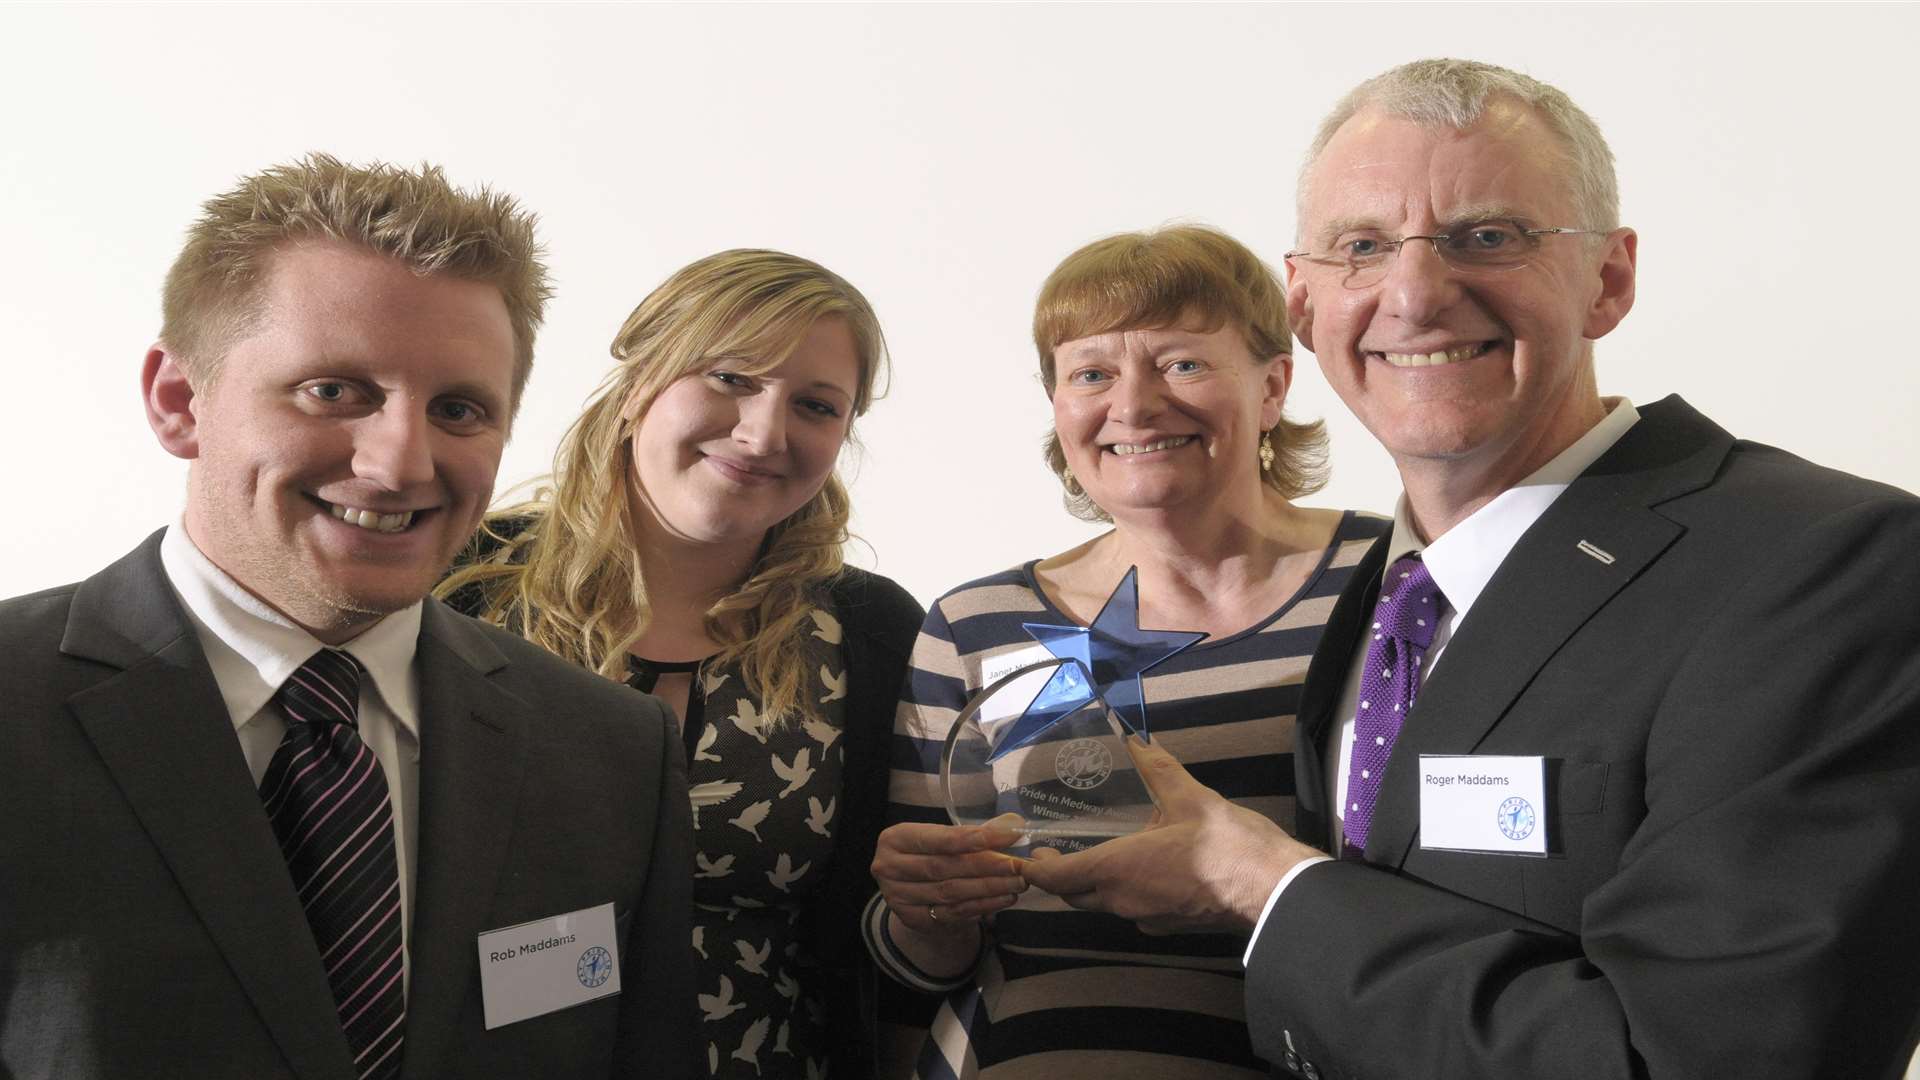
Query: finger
pixel 1002 831
pixel 912 838
pixel 1173 787
pixel 910 869
pixel 974 909
pixel 925 919
pixel 905 894
pixel 959 890
pixel 1063 875
pixel 923 839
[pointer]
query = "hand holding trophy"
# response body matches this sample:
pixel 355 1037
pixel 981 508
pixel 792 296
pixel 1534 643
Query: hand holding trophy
pixel 1047 741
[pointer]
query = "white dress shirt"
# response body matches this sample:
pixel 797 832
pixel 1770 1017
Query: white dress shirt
pixel 253 649
pixel 1461 561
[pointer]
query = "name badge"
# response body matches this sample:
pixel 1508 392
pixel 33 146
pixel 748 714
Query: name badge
pixel 1012 701
pixel 539 967
pixel 1483 803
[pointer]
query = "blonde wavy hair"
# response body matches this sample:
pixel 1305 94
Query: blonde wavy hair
pixel 562 569
pixel 1181 275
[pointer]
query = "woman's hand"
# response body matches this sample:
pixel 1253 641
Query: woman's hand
pixel 940 880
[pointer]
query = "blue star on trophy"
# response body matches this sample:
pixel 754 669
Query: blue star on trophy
pixel 1047 740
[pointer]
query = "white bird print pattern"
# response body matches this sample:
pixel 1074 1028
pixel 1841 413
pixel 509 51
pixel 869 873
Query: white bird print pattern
pixel 818 816
pixel 753 961
pixel 766 792
pixel 708 737
pixel 749 1051
pixel 822 732
pixel 721 1005
pixel 752 721
pixel 796 773
pixel 710 793
pixel 752 816
pixel 836 685
pixel 783 875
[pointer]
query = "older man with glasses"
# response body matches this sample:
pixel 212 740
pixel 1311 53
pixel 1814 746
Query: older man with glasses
pixel 1609 763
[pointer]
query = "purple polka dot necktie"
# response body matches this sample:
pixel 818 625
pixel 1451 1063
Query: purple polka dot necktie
pixel 326 796
pixel 1404 619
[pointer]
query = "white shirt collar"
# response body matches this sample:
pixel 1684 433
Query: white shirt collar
pixel 1465 558
pixel 253 649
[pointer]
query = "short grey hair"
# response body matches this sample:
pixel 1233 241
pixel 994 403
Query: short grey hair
pixel 1453 94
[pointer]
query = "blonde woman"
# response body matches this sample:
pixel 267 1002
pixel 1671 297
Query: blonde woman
pixel 689 544
pixel 1167 359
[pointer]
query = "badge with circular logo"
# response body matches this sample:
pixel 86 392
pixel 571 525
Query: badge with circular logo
pixel 594 967
pixel 1516 818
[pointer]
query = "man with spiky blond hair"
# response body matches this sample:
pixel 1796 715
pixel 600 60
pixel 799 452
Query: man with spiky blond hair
pixel 266 811
pixel 1609 762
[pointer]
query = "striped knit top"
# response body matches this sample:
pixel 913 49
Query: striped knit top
pixel 1071 993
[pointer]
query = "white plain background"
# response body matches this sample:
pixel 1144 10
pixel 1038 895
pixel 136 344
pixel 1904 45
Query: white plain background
pixel 943 159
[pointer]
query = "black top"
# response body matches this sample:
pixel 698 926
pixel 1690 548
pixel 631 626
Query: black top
pixel 880 621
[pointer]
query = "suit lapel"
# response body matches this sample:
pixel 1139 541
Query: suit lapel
pixel 1320 697
pixel 162 731
pixel 472 762
pixel 1594 539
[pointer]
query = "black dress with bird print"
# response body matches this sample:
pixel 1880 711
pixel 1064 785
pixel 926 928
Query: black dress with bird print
pixel 766 795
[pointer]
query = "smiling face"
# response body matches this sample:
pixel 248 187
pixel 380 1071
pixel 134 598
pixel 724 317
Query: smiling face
pixel 1487 371
pixel 722 456
pixel 1168 419
pixel 347 448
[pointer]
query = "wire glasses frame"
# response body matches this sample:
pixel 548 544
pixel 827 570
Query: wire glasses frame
pixel 1478 247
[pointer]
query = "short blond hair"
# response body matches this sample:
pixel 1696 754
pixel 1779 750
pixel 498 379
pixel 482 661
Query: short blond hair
pixel 213 292
pixel 1445 93
pixel 1181 275
pixel 565 573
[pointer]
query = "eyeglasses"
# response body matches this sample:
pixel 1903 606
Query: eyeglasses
pixel 1362 258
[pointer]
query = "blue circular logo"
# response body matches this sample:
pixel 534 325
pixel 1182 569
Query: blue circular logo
pixel 1516 818
pixel 595 967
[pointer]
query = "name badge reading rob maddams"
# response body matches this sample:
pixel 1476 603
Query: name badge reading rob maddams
pixel 538 967
pixel 1483 802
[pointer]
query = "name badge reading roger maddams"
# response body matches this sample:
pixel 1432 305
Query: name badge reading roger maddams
pixel 545 965
pixel 1483 803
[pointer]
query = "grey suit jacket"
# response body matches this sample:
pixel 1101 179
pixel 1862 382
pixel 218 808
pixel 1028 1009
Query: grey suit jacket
pixel 148 926
pixel 1729 702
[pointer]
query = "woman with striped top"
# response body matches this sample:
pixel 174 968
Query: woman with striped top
pixel 1167 358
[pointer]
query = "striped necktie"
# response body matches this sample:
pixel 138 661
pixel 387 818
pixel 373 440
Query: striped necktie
pixel 326 797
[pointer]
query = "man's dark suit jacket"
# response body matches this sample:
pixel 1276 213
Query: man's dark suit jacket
pixel 1729 703
pixel 148 925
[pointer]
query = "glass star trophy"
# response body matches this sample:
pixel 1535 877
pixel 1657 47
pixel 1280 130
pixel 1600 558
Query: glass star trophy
pixel 1048 741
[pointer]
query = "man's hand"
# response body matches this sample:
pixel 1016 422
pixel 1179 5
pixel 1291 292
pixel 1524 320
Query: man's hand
pixel 1205 864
